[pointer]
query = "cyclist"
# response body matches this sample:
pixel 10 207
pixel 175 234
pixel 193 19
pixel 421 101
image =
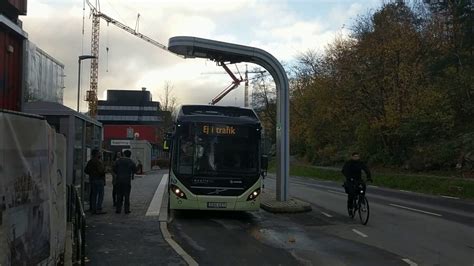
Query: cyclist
pixel 352 170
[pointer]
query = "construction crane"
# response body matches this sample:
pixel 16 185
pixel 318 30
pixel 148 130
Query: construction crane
pixel 91 96
pixel 235 83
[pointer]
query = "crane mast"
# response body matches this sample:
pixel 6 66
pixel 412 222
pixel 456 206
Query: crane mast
pixel 91 96
pixel 94 78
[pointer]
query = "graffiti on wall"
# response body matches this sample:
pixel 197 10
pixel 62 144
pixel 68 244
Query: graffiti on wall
pixel 29 191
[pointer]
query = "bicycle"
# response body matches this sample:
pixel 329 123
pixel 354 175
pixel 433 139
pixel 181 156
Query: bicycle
pixel 360 204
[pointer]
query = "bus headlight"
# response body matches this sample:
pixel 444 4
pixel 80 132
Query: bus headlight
pixel 254 194
pixel 178 192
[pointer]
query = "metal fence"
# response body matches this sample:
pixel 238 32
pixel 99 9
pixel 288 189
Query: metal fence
pixel 77 217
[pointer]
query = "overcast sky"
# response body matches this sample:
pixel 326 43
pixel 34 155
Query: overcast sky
pixel 283 28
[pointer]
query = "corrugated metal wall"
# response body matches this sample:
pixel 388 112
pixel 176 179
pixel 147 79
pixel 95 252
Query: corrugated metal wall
pixel 11 68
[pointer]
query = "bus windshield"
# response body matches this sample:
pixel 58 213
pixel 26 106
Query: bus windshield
pixel 218 150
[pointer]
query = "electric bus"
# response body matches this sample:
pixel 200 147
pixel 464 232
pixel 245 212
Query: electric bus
pixel 216 159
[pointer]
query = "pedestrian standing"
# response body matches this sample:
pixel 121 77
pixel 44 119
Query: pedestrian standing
pixel 118 155
pixel 124 169
pixel 139 168
pixel 96 170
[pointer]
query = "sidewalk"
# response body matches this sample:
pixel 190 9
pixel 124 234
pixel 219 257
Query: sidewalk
pixel 133 239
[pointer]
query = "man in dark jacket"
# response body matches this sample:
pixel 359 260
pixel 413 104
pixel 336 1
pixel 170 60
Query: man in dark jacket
pixel 96 170
pixel 124 168
pixel 352 170
pixel 118 155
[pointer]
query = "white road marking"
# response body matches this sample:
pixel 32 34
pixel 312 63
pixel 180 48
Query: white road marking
pixel 336 192
pixel 409 262
pixel 416 210
pixel 449 197
pixel 326 214
pixel 404 191
pixel 359 233
pixel 373 186
pixel 167 236
pixel 155 204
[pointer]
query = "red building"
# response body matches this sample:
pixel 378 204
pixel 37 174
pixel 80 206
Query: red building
pixel 140 132
pixel 129 114
pixel 12 38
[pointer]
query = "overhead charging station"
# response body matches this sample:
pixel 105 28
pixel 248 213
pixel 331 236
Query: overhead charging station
pixel 222 52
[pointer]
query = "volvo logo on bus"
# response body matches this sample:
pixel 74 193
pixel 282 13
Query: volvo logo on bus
pixel 201 181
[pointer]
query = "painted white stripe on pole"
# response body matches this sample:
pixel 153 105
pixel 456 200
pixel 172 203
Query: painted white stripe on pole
pixel 409 262
pixel 359 233
pixel 326 214
pixel 449 197
pixel 416 210
pixel 155 204
pixel 336 192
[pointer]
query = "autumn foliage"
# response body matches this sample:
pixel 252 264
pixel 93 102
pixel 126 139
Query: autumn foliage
pixel 399 89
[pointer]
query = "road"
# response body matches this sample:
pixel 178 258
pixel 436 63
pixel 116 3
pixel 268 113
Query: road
pixel 261 238
pixel 429 230
pixel 404 229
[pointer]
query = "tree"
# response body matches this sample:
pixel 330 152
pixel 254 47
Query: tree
pixel 373 92
pixel 264 103
pixel 168 101
pixel 168 105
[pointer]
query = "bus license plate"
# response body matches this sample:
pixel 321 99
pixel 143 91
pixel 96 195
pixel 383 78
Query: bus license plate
pixel 217 205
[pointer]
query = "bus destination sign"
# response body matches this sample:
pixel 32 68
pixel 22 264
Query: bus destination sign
pixel 219 130
pixel 222 130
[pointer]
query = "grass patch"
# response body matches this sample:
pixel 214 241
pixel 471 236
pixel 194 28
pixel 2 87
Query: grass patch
pixel 447 186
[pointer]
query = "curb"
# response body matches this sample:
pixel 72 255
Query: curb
pixel 270 204
pixel 177 248
pixel 163 220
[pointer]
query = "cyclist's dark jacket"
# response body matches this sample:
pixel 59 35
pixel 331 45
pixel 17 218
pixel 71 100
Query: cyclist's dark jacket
pixel 353 169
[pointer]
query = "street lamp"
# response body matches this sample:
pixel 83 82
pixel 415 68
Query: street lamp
pixel 81 57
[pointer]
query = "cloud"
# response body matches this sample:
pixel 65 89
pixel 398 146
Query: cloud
pixel 284 28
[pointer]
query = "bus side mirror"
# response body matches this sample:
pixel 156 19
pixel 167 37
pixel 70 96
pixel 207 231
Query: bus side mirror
pixel 264 164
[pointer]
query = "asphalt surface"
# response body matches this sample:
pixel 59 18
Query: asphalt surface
pixel 261 238
pixel 132 239
pixel 404 229
pixel 428 230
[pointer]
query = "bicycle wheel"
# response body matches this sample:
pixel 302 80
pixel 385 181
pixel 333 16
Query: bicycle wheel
pixel 364 209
